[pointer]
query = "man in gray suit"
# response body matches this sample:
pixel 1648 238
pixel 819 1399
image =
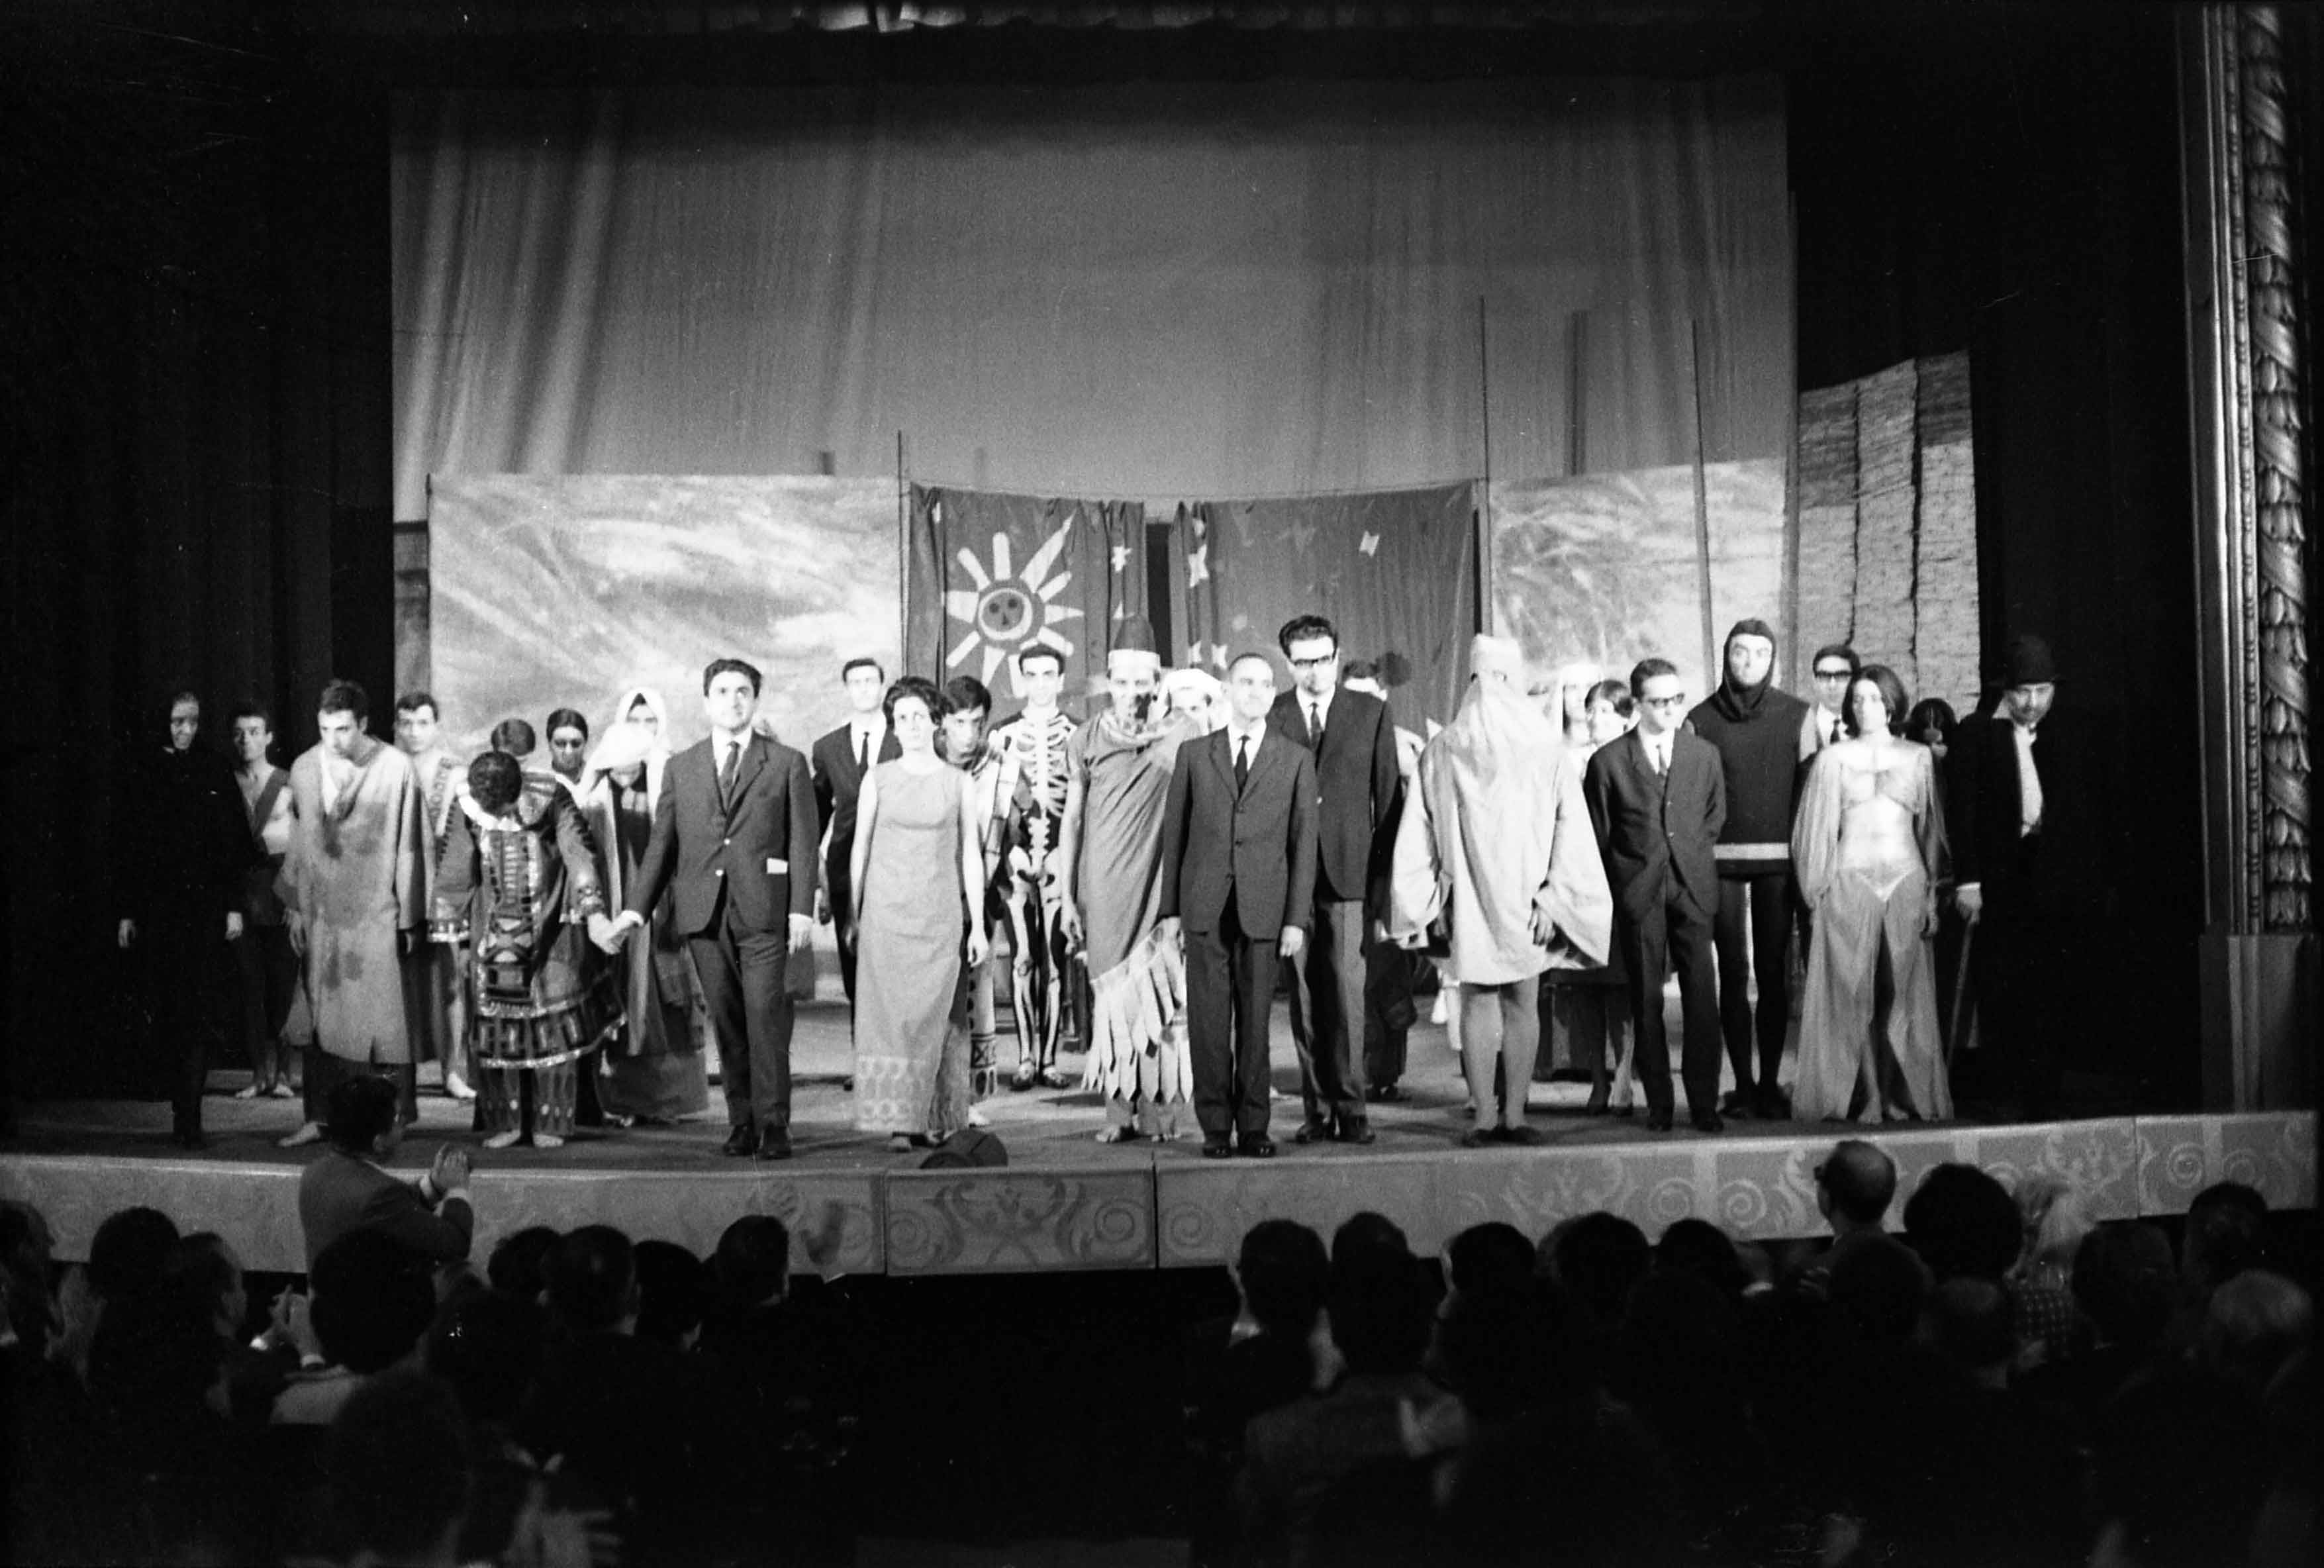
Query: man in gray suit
pixel 1659 798
pixel 1239 874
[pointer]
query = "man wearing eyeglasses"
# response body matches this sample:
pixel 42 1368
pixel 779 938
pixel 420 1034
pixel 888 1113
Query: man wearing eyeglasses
pixel 1833 668
pixel 1659 798
pixel 1353 742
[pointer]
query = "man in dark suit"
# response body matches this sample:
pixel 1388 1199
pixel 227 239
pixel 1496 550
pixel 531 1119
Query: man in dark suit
pixel 1238 874
pixel 346 1190
pixel 735 831
pixel 1353 743
pixel 1659 798
pixel 2003 795
pixel 841 758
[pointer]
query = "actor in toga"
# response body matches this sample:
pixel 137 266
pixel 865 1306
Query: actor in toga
pixel 358 886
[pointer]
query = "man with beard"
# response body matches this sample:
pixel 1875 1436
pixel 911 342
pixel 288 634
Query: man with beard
pixel 1117 783
pixel 1756 730
pixel 358 886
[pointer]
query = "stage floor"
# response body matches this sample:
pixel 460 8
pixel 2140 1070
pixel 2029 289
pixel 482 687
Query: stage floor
pixel 1066 1202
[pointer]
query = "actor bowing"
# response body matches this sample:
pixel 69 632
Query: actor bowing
pixel 735 834
pixel 1238 873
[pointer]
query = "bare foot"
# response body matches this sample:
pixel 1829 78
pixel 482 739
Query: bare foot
pixel 306 1134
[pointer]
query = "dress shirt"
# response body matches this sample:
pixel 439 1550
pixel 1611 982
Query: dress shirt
pixel 1658 752
pixel 1239 737
pixel 864 734
pixel 2029 781
pixel 1316 710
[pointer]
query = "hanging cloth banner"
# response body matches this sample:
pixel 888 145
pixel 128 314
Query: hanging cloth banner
pixel 1394 570
pixel 995 574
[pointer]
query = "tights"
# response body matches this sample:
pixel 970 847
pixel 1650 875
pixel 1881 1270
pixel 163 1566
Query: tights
pixel 1499 1025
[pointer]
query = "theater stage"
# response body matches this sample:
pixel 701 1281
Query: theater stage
pixel 1067 1202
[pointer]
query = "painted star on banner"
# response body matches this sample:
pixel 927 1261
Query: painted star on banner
pixel 1198 566
pixel 1120 557
pixel 1369 545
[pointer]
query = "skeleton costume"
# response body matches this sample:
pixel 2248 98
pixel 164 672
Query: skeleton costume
pixel 518 882
pixel 1032 749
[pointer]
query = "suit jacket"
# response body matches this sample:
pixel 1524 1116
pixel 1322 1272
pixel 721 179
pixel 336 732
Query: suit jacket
pixel 1647 825
pixel 760 850
pixel 838 782
pixel 338 1193
pixel 1257 844
pixel 1982 805
pixel 1356 779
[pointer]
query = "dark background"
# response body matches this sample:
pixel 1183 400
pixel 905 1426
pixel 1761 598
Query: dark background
pixel 195 474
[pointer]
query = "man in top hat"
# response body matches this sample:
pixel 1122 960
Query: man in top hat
pixel 1756 730
pixel 2005 787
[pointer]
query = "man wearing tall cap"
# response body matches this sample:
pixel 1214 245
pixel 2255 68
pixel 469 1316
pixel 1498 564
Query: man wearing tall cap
pixel 1238 874
pixel 1352 740
pixel 2004 791
pixel 841 758
pixel 1117 785
pixel 1659 798
pixel 734 836
pixel 1495 848
pixel 1756 731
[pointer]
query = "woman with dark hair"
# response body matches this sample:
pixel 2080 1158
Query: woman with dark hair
pixel 518 880
pixel 569 746
pixel 181 849
pixel 918 889
pixel 1869 851
pixel 1933 724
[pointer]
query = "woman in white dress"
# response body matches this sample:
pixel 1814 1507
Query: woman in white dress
pixel 1868 848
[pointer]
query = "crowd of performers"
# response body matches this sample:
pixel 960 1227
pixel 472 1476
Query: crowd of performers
pixel 567 940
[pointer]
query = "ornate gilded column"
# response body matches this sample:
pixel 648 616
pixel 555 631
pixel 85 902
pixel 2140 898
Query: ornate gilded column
pixel 2249 407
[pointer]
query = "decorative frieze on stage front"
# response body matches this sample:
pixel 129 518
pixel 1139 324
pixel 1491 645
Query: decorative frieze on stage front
pixel 1084 1207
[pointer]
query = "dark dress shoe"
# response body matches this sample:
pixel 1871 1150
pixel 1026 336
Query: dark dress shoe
pixel 1478 1137
pixel 1524 1137
pixel 1259 1147
pixel 1708 1122
pixel 1596 1105
pixel 1356 1132
pixel 1313 1133
pixel 1624 1111
pixel 1769 1105
pixel 775 1143
pixel 1658 1121
pixel 742 1142
pixel 1736 1102
pixel 1383 1093
pixel 1216 1148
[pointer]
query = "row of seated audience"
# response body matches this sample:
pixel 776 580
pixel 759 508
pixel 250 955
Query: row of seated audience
pixel 2000 1383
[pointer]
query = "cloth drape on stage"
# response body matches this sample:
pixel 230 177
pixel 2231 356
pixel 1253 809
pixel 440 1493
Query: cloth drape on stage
pixel 992 574
pixel 1869 907
pixel 1394 569
pixel 1163 289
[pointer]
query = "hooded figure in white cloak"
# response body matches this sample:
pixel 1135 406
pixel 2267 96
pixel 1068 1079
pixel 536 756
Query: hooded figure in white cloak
pixel 1496 859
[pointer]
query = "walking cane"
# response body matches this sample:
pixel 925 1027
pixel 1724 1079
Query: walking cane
pixel 1954 1035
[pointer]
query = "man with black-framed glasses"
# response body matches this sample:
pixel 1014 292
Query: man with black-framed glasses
pixel 1830 673
pixel 1658 799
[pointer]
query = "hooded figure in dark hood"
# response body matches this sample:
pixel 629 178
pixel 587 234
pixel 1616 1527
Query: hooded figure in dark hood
pixel 1756 728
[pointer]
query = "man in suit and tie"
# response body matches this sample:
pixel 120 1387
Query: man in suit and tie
pixel 1658 799
pixel 346 1189
pixel 2002 796
pixel 734 830
pixel 1831 673
pixel 841 758
pixel 1238 874
pixel 1353 743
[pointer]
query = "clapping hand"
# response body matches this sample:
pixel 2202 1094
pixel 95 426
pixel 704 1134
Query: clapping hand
pixel 450 1169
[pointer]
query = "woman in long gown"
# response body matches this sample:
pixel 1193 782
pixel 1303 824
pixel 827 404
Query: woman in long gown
pixel 1868 848
pixel 919 892
pixel 655 1071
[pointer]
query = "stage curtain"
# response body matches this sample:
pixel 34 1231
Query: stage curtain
pixel 1395 571
pixel 1140 290
pixel 992 574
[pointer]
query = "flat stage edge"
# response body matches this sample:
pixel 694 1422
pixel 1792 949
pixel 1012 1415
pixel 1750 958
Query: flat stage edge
pixel 1165 1210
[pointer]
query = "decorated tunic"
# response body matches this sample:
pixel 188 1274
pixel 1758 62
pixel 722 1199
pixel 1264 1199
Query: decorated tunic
pixel 518 889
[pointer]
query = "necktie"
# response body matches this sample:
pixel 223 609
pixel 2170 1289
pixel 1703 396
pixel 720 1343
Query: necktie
pixel 1832 738
pixel 1661 760
pixel 726 772
pixel 1316 724
pixel 863 752
pixel 1243 760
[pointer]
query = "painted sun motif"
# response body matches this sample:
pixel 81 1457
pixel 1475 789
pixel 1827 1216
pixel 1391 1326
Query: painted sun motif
pixel 1008 610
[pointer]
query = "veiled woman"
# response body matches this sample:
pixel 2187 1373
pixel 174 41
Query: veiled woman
pixel 1868 848
pixel 654 1070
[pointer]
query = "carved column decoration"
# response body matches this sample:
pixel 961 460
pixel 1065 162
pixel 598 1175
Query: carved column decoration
pixel 2273 292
